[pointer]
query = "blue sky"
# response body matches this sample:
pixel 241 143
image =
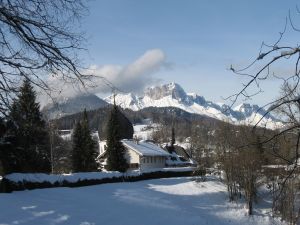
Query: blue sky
pixel 191 42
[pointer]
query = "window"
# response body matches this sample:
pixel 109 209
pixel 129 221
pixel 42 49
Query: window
pixel 134 165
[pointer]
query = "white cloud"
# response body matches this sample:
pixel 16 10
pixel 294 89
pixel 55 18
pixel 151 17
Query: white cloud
pixel 133 77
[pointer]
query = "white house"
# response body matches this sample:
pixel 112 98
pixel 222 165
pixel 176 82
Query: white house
pixel 66 134
pixel 142 154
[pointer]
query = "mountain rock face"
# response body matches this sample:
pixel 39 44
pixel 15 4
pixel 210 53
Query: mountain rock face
pixel 173 95
pixel 68 106
pixel 171 89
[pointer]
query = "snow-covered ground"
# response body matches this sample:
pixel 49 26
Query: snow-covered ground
pixel 141 131
pixel 75 177
pixel 72 177
pixel 145 130
pixel 175 201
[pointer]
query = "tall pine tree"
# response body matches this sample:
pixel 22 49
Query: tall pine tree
pixel 28 133
pixel 115 149
pixel 77 147
pixel 171 147
pixel 84 147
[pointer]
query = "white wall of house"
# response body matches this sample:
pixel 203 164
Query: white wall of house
pixel 102 147
pixel 145 162
pixel 132 156
pixel 152 162
pixel 136 160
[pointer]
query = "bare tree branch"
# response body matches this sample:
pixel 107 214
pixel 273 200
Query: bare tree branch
pixel 38 38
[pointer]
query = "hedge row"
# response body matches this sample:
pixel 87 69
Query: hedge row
pixel 8 186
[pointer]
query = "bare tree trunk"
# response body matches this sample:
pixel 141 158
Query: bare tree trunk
pixel 250 208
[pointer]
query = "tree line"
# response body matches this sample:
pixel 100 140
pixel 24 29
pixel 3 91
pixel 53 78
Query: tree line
pixel 246 159
pixel 29 144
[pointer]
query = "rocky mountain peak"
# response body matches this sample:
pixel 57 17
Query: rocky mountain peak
pixel 248 109
pixel 171 89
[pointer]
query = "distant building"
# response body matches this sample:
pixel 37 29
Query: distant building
pixel 179 157
pixel 66 134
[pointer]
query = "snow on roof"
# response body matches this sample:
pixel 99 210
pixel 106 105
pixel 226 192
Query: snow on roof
pixel 145 148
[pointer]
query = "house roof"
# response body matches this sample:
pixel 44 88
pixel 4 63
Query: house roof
pixel 145 148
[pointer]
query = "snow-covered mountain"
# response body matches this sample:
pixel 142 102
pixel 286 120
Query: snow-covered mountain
pixel 173 95
pixel 71 105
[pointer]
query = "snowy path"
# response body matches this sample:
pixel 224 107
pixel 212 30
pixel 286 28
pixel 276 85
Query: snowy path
pixel 176 201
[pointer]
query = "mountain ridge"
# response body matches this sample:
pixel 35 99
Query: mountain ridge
pixel 173 95
pixel 167 95
pixel 72 105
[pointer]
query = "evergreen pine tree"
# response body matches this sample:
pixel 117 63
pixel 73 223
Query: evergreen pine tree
pixel 171 148
pixel 90 152
pixel 27 130
pixel 2 145
pixel 9 158
pixel 115 149
pixel 77 148
pixel 173 137
pixel 84 147
pixel 2 128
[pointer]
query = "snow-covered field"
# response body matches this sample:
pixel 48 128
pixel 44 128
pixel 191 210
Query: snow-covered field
pixel 176 201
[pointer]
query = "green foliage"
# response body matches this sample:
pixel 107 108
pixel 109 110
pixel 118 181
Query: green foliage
pixel 115 150
pixel 2 128
pixel 125 127
pixel 27 139
pixel 84 147
pixel 61 153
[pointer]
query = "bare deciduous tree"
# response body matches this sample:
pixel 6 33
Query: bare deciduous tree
pixel 288 103
pixel 240 161
pixel 38 39
pixel 286 107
